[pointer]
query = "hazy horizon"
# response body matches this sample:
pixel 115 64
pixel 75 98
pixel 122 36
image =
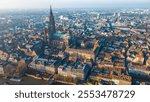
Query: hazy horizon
pixel 38 4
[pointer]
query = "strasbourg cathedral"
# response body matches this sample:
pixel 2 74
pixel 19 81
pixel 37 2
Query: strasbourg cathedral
pixel 75 46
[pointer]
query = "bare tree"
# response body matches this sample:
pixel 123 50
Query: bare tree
pixel 145 53
pixel 127 47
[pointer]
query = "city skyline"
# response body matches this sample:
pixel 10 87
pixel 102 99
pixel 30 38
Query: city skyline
pixel 11 4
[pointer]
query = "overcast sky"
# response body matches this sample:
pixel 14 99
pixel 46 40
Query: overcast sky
pixel 74 3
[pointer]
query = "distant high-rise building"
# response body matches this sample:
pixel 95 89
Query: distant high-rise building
pixel 119 14
pixel 51 27
pixel 146 29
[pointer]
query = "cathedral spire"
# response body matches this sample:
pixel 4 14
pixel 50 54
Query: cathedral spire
pixel 51 27
pixel 51 13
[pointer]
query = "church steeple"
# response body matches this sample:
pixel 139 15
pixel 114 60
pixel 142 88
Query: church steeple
pixel 51 27
pixel 51 13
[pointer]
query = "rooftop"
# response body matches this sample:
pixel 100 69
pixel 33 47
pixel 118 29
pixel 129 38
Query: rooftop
pixel 58 35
